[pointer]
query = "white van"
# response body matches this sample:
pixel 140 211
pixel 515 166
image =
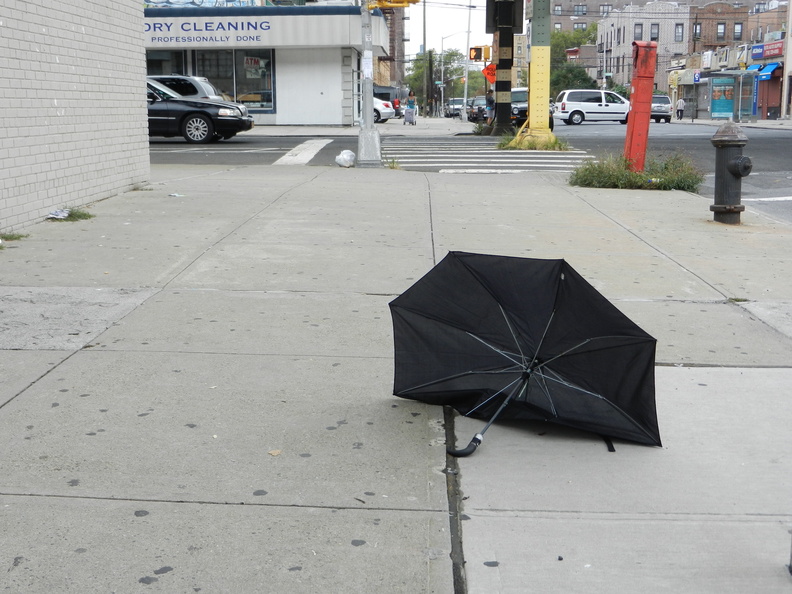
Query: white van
pixel 595 105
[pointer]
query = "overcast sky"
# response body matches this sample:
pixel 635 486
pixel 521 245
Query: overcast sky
pixel 445 18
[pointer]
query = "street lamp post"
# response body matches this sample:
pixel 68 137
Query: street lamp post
pixel 442 66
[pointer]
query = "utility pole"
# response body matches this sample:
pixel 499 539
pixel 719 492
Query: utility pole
pixel 369 149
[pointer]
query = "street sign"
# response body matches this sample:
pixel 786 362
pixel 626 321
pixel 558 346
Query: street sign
pixel 697 76
pixel 438 82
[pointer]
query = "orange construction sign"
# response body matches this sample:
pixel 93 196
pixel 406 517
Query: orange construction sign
pixel 489 72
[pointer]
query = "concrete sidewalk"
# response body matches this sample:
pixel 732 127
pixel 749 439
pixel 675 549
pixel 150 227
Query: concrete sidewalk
pixel 196 394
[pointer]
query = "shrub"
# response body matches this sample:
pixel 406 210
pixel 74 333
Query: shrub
pixel 675 173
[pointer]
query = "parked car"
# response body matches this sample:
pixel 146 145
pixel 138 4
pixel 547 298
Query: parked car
pixel 477 112
pixel 519 107
pixel 661 108
pixel 575 106
pixel 189 86
pixel 197 120
pixel 383 111
pixel 390 94
pixel 453 109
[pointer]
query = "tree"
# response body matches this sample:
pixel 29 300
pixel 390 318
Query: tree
pixel 453 69
pixel 570 77
pixel 561 41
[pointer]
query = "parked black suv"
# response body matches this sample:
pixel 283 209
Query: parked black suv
pixel 197 120
pixel 519 107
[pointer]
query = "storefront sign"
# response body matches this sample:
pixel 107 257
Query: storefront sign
pixel 330 26
pixel 773 49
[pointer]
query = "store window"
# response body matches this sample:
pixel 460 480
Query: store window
pixel 243 75
pixel 254 69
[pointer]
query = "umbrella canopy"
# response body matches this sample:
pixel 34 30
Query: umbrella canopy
pixel 527 339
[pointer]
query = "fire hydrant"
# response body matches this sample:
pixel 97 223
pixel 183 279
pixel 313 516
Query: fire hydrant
pixel 730 167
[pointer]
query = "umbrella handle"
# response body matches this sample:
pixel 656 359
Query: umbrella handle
pixel 471 447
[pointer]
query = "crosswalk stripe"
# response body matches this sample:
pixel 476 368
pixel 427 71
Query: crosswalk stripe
pixel 303 153
pixel 466 156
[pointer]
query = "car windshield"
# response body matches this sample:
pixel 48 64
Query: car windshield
pixel 519 96
pixel 661 99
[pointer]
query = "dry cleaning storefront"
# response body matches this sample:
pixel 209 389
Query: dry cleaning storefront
pixel 289 64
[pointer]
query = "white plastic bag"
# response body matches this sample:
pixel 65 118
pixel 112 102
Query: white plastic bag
pixel 346 159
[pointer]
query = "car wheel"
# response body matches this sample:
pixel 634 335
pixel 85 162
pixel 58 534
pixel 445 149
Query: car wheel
pixel 376 117
pixel 657 120
pixel 624 121
pixel 197 128
pixel 668 120
pixel 577 118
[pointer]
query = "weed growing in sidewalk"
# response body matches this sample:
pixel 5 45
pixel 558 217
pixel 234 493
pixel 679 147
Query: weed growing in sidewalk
pixel 393 164
pixel 6 237
pixel 526 142
pixel 675 173
pixel 75 214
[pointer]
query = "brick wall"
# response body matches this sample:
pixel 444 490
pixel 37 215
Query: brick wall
pixel 73 125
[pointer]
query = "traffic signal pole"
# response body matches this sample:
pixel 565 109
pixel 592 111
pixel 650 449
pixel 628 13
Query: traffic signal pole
pixel 539 74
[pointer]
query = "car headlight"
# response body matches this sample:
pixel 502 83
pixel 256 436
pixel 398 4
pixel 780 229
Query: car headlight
pixel 229 112
pixel 515 111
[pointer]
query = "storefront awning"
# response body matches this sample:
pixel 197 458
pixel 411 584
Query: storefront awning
pixel 754 67
pixel 767 71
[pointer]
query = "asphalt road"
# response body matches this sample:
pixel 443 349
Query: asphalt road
pixel 768 189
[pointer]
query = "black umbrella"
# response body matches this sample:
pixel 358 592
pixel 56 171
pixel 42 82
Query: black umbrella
pixel 523 339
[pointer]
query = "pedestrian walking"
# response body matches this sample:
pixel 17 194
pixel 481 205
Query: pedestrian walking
pixel 490 107
pixel 409 113
pixel 680 108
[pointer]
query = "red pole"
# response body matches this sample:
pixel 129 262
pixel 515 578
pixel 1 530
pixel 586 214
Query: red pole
pixel 644 60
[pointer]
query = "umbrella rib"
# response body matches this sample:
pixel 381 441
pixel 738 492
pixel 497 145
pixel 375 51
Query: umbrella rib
pixel 604 399
pixel 513 333
pixel 479 405
pixel 463 374
pixel 546 391
pixel 499 351
pixel 541 341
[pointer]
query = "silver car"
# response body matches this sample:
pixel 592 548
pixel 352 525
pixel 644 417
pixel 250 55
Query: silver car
pixel 194 87
pixel 661 108
pixel 383 111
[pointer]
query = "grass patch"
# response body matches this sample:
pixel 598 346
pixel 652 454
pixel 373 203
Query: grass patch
pixel 12 236
pixel 6 237
pixel 675 173
pixel 478 129
pixel 393 164
pixel 526 142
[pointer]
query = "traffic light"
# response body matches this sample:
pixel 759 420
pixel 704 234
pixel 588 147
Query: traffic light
pixel 476 53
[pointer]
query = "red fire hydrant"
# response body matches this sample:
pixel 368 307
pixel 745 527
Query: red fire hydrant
pixel 644 60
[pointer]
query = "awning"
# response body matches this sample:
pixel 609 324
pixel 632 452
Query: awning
pixel 767 71
pixel 754 67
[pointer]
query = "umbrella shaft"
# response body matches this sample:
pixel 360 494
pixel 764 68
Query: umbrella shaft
pixel 518 388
